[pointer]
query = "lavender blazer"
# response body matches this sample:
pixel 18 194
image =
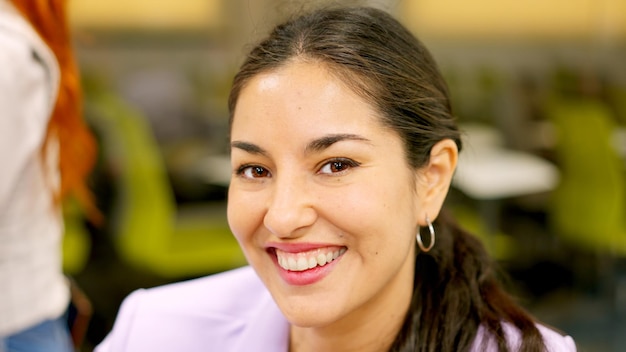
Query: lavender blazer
pixel 231 311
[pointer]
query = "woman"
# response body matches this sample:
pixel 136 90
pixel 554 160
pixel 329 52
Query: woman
pixel 343 148
pixel 46 153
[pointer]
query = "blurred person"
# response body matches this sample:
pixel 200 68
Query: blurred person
pixel 343 147
pixel 46 153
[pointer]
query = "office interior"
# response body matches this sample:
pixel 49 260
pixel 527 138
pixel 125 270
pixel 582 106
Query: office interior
pixel 538 87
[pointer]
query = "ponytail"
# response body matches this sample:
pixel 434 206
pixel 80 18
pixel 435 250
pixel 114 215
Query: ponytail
pixel 456 295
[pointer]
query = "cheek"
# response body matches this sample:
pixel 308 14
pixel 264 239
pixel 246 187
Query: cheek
pixel 372 212
pixel 242 217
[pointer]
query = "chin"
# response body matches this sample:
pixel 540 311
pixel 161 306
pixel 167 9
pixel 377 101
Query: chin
pixel 309 321
pixel 306 315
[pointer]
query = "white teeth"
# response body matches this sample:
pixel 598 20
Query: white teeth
pixel 292 264
pixel 305 261
pixel 303 264
pixel 321 259
pixel 312 263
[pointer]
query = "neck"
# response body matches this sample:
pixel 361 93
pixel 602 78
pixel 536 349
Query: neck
pixel 367 336
pixel 373 327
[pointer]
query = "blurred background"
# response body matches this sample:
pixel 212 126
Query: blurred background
pixel 539 88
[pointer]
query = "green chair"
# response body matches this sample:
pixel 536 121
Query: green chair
pixel 589 206
pixel 76 243
pixel 617 100
pixel 150 232
pixel 501 246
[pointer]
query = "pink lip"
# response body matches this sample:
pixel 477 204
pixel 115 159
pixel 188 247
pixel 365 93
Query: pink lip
pixel 306 277
pixel 299 247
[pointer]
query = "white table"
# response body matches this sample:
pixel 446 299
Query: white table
pixel 490 173
pixel 497 173
pixel 214 169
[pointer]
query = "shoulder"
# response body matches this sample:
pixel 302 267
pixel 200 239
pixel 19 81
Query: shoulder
pixel 194 314
pixel 17 33
pixel 26 53
pixel 554 341
pixel 232 293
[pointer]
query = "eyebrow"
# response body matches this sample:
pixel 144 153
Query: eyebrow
pixel 315 145
pixel 322 143
pixel 248 147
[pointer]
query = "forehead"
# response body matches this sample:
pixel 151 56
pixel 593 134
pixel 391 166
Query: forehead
pixel 302 94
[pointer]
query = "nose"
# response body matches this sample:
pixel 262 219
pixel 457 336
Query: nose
pixel 290 210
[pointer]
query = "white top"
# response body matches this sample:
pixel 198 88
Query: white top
pixel 32 285
pixel 233 311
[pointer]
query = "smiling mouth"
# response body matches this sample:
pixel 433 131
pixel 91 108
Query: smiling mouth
pixel 308 260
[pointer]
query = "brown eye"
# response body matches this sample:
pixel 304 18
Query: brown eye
pixel 253 172
pixel 337 165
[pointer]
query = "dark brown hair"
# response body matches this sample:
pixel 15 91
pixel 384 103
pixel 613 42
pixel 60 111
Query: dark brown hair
pixel 456 291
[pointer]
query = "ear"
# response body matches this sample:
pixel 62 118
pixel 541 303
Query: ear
pixel 434 180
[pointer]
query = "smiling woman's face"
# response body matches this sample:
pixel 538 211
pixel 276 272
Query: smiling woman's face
pixel 322 200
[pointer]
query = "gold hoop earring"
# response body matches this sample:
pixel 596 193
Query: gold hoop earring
pixel 431 231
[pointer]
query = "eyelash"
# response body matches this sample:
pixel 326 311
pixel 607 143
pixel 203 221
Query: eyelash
pixel 241 171
pixel 349 163
pixel 344 162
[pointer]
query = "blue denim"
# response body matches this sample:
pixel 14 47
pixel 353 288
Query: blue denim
pixel 49 336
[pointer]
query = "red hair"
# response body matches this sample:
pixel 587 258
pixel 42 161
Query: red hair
pixel 77 146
